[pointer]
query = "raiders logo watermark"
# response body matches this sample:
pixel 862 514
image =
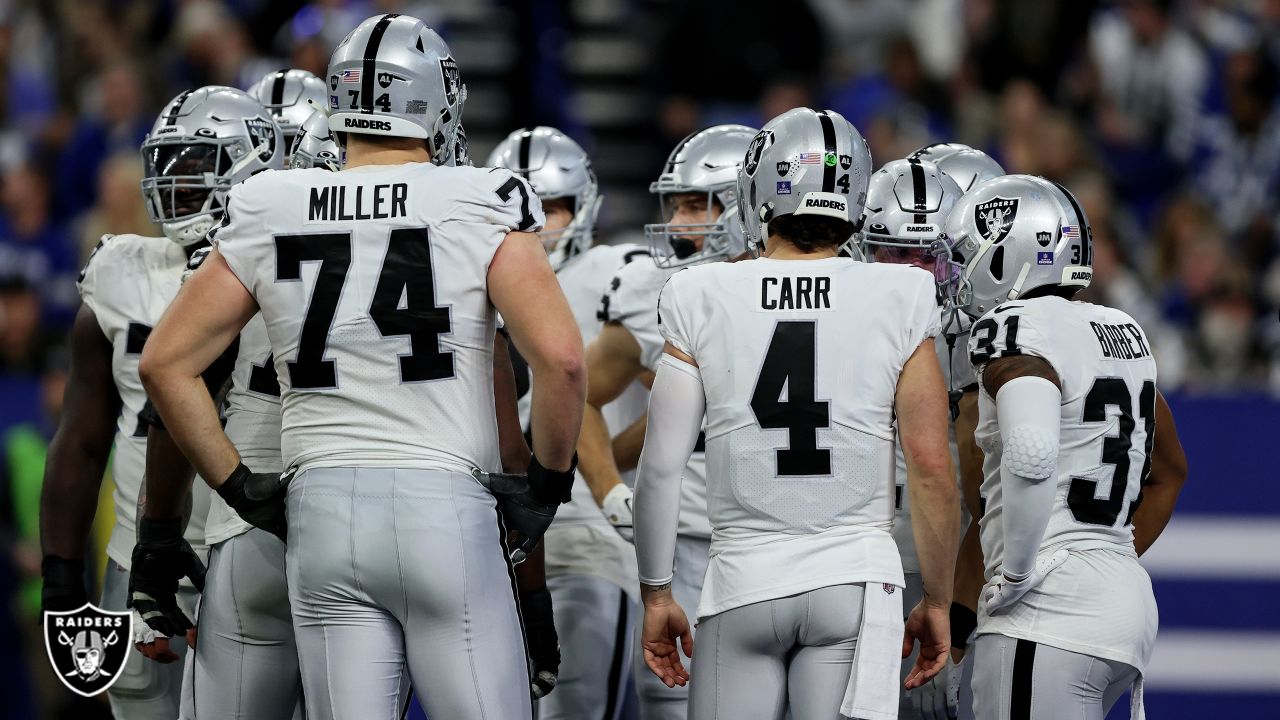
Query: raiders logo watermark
pixel 995 217
pixel 262 133
pixel 88 647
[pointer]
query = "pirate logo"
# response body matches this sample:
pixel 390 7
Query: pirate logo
pixel 452 79
pixel 995 217
pixel 1044 238
pixel 262 134
pixel 763 139
pixel 87 647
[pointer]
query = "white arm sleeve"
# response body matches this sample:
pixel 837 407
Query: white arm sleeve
pixel 1028 410
pixel 676 405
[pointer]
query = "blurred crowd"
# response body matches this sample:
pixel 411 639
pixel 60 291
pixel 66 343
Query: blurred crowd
pixel 1160 114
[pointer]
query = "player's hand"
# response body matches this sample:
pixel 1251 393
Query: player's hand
pixel 258 498
pixel 525 514
pixel 160 559
pixel 541 638
pixel 617 508
pixel 63 584
pixel 939 698
pixel 665 633
pixel 931 627
pixel 1002 592
pixel 151 643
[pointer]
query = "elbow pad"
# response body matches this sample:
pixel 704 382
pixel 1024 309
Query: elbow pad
pixel 1028 412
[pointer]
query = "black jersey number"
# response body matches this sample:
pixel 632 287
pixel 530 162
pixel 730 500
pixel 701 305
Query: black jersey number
pixel 406 271
pixel 984 339
pixel 263 379
pixel 135 338
pixel 790 364
pixel 1106 393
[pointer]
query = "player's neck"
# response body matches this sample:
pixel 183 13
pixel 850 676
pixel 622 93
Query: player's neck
pixel 775 248
pixel 359 153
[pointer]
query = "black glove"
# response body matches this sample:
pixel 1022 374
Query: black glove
pixel 258 498
pixel 528 503
pixel 160 559
pixel 541 638
pixel 63 586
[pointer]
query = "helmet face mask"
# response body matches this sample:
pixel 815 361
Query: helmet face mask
pixel 204 142
pixel 907 204
pixel 700 174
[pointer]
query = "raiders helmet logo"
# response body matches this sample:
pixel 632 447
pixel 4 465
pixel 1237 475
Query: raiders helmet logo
pixel 452 79
pixel 995 217
pixel 262 135
pixel 763 139
pixel 88 647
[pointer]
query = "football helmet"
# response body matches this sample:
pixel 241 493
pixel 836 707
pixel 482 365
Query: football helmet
pixel 907 205
pixel 314 146
pixel 556 167
pixel 395 76
pixel 803 162
pixel 205 141
pixel 967 166
pixel 705 162
pixel 1012 235
pixel 291 96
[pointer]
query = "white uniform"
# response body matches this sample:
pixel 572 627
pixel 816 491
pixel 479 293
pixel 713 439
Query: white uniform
pixel 631 299
pixel 127 283
pixel 247 660
pixel 800 363
pixel 373 286
pixel 1099 603
pixel 591 570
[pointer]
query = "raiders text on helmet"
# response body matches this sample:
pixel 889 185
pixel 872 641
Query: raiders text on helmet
pixel 705 162
pixel 204 142
pixel 803 162
pixel 291 96
pixel 1015 234
pixel 556 167
pixel 395 76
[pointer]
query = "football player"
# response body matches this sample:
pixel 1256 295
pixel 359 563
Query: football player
pixel 204 142
pixel 591 569
pixel 314 145
pixel 378 286
pixel 1068 420
pixel 696 191
pixel 804 362
pixel 291 96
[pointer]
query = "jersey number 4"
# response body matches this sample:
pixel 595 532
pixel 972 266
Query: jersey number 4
pixel 790 364
pixel 406 272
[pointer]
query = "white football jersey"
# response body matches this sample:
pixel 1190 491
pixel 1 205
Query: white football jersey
pixel 800 363
pixel 128 282
pixel 373 283
pixel 253 421
pixel 958 374
pixel 1108 378
pixel 631 300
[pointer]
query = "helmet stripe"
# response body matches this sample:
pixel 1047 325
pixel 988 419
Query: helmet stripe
pixel 370 60
pixel 918 188
pixel 176 108
pixel 277 89
pixel 526 139
pixel 671 161
pixel 1086 233
pixel 828 139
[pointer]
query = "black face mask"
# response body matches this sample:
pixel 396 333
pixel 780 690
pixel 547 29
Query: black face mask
pixel 683 247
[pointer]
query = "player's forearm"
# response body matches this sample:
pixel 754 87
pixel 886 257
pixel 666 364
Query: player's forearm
pixel 556 416
pixel 1168 474
pixel 969 568
pixel 971 456
pixel 69 495
pixel 628 443
pixel 1153 514
pixel 595 454
pixel 512 446
pixel 168 476
pixel 532 573
pixel 935 523
pixel 192 421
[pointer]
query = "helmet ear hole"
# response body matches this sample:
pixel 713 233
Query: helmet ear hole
pixel 997 264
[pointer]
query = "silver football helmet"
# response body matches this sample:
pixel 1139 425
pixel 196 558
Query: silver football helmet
pixel 314 146
pixel 907 205
pixel 803 162
pixel 1012 235
pixel 968 166
pixel 291 96
pixel 705 162
pixel 395 76
pixel 204 142
pixel 556 167
pixel 461 156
